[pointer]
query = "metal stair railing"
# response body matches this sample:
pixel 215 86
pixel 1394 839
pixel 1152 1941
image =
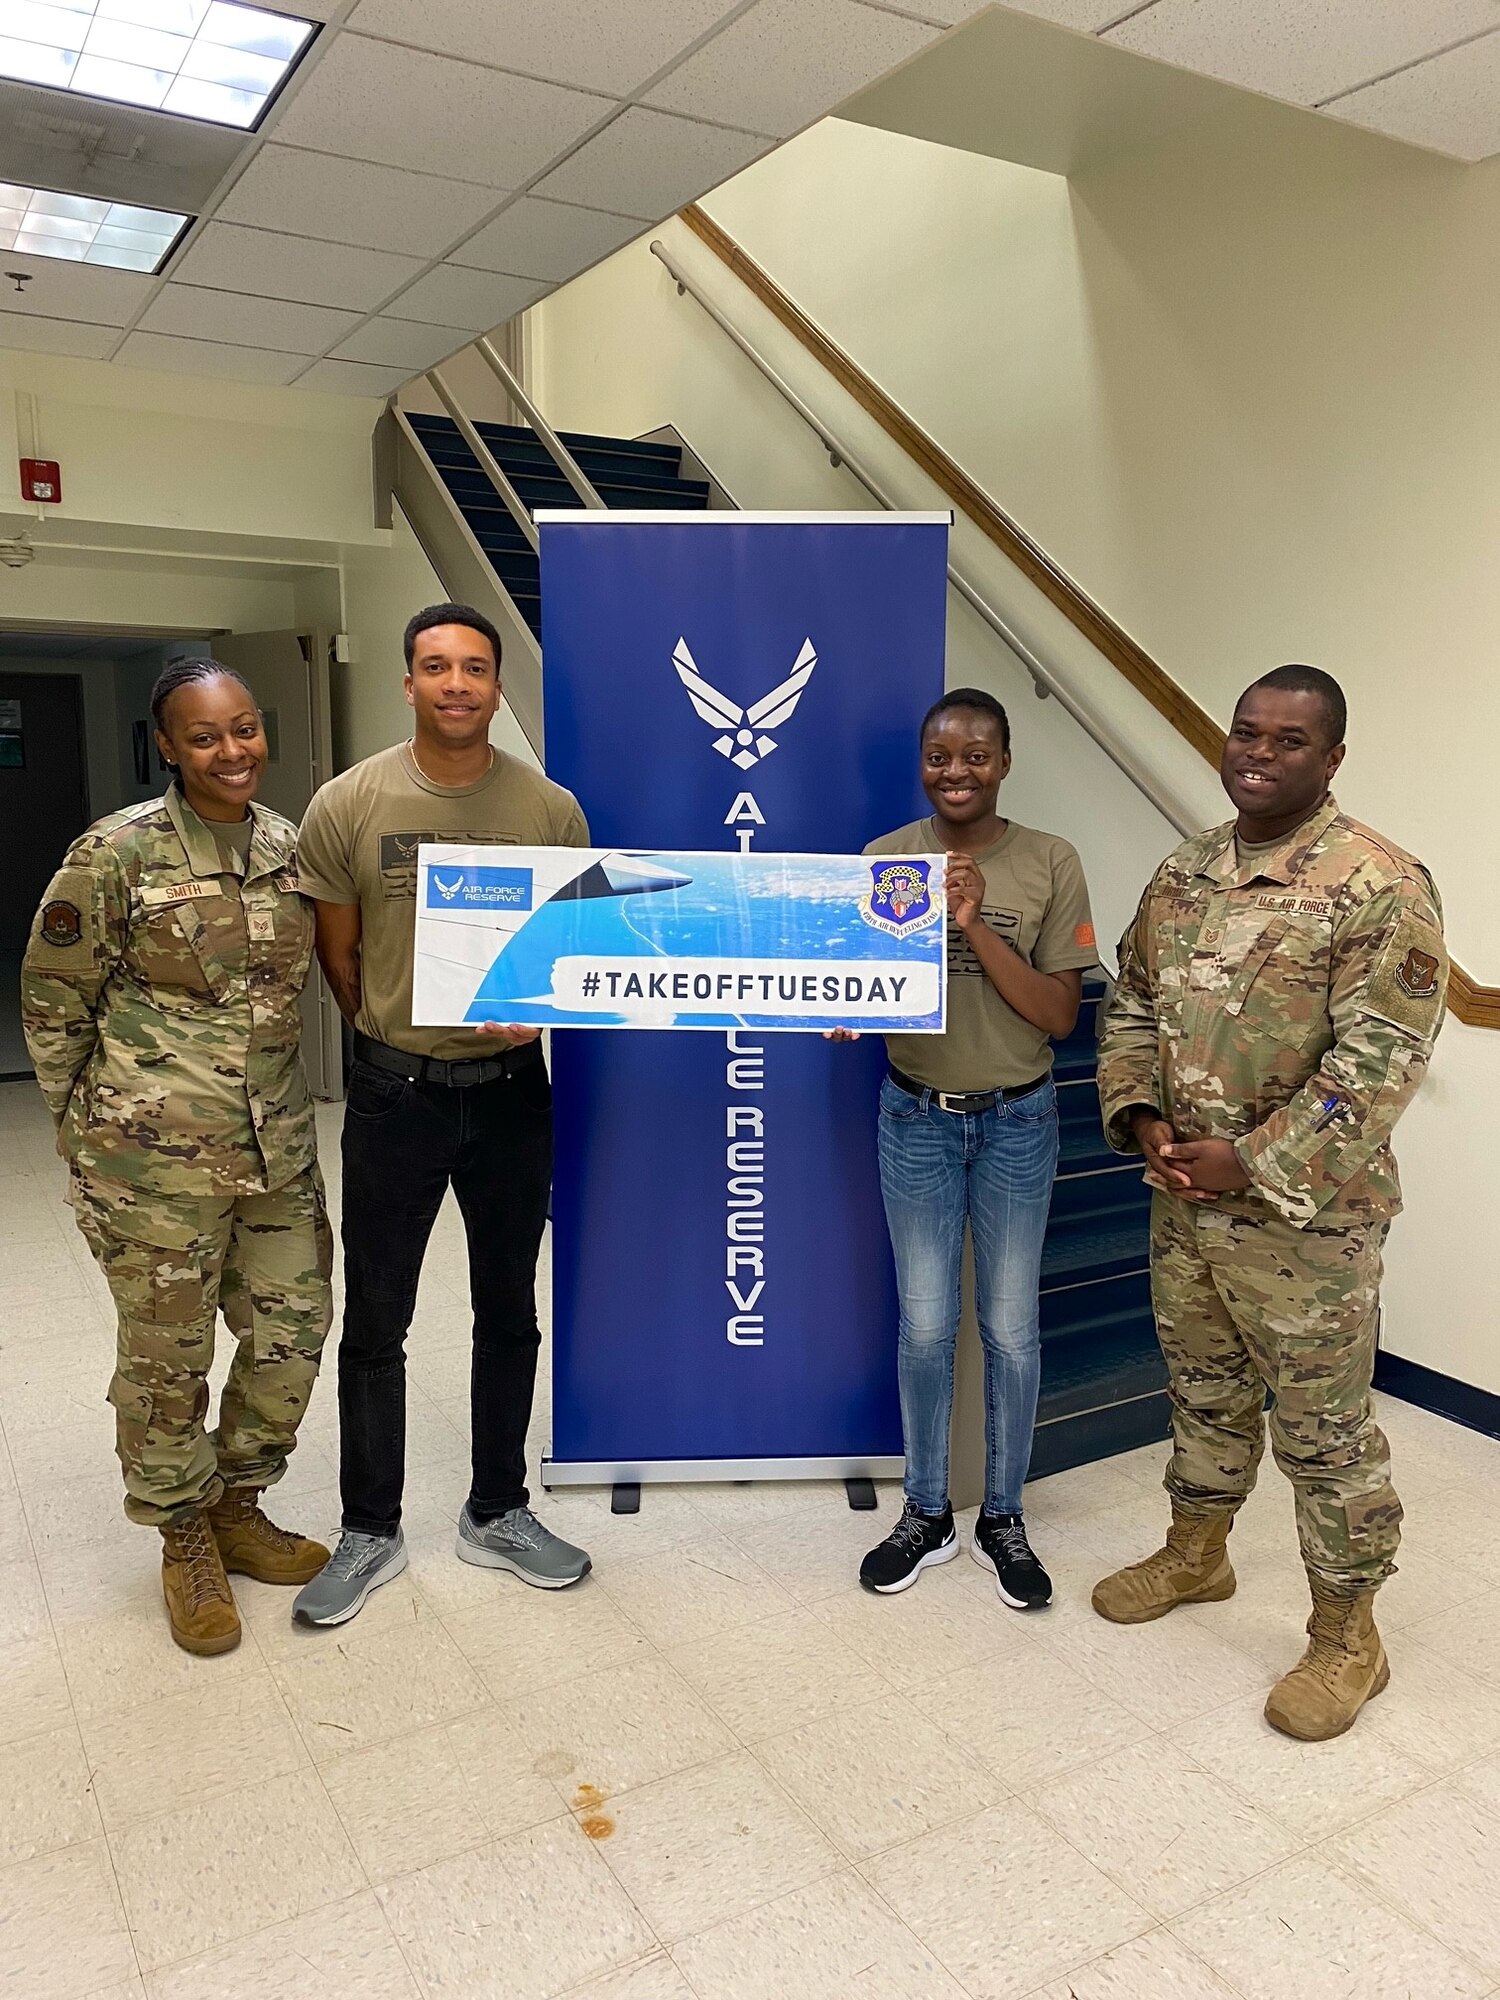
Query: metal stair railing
pixel 561 457
pixel 1043 680
pixel 489 465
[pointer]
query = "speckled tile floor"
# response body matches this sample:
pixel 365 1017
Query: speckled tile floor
pixel 717 1770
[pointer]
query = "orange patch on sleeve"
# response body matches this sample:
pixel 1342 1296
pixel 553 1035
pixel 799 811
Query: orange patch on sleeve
pixel 1083 936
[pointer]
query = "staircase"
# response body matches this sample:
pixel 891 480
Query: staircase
pixel 1103 1378
pixel 626 474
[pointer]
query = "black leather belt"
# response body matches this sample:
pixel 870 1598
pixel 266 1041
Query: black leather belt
pixel 455 1075
pixel 964 1102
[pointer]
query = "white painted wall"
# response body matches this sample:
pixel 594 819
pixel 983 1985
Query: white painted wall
pixel 1245 396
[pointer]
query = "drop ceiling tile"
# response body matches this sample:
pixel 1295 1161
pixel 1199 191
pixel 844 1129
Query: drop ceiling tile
pixel 403 343
pixel 607 45
pixel 1302 50
pixel 787 62
pixel 546 239
pixel 230 258
pixel 373 101
pixel 74 291
pixel 352 378
pixel 172 356
pixel 1451 103
pixel 244 320
pixel 355 201
pixel 648 164
pixel 56 336
pixel 450 296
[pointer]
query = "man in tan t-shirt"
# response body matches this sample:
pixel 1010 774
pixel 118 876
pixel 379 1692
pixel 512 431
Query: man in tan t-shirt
pixel 428 1108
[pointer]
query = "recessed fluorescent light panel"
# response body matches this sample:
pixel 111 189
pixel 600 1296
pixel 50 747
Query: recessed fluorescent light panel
pixel 86 231
pixel 207 59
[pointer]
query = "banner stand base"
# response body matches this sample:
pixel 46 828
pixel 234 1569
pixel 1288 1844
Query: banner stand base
pixel 623 1475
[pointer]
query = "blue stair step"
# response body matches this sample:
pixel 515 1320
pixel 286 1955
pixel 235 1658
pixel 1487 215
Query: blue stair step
pixel 1099 1309
pixel 1113 1366
pixel 498 436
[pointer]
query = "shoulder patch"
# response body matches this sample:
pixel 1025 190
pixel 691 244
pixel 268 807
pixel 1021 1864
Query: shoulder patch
pixel 1410 977
pixel 61 925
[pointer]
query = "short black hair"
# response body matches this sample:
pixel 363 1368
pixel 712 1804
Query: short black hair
pixel 1309 680
pixel 975 699
pixel 448 614
pixel 181 674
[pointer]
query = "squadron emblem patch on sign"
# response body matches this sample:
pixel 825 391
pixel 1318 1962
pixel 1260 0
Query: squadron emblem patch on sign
pixel 62 925
pixel 899 899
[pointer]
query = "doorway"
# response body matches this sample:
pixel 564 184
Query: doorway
pixel 44 805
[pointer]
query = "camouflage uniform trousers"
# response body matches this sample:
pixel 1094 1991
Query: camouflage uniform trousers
pixel 1247 1303
pixel 172 1263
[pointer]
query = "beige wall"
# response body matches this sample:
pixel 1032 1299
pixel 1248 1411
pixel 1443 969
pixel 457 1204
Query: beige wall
pixel 1243 389
pixel 185 454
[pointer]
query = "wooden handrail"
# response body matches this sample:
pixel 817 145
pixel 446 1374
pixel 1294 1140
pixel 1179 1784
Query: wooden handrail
pixel 1477 1005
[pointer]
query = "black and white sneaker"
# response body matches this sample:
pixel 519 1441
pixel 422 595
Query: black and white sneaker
pixel 1000 1545
pixel 916 1542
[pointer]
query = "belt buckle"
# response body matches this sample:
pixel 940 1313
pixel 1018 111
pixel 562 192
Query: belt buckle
pixel 944 1105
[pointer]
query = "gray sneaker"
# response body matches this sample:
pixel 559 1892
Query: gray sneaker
pixel 360 1564
pixel 517 1541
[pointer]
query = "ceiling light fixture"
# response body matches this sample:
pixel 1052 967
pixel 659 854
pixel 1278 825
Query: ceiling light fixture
pixel 208 59
pixel 83 230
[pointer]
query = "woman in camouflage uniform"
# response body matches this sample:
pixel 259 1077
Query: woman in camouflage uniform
pixel 160 996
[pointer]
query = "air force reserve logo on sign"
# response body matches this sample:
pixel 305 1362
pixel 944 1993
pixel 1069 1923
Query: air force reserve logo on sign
pixel 899 900
pixel 744 740
pixel 479 889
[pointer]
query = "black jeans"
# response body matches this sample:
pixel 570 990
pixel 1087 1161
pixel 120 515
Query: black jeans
pixel 403 1143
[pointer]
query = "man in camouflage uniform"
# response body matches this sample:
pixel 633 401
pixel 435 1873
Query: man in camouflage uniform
pixel 1280 990
pixel 160 1001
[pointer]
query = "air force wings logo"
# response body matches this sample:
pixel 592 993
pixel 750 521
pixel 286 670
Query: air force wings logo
pixel 744 740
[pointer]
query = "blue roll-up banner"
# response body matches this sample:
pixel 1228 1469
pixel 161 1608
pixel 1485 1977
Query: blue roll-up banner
pixel 723 1299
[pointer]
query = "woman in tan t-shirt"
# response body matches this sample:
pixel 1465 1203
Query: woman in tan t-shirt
pixel 968 1135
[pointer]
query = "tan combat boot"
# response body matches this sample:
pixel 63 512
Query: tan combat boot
pixel 1343 1666
pixel 253 1546
pixel 200 1603
pixel 1193 1568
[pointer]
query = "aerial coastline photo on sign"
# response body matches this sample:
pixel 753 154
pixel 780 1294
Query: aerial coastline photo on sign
pixel 626 938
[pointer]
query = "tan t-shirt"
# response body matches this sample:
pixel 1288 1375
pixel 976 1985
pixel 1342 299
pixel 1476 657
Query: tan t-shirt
pixel 1036 898
pixel 358 844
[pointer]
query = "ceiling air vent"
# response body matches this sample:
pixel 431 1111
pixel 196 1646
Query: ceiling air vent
pixel 113 151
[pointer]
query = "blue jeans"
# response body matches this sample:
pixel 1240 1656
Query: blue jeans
pixel 993 1170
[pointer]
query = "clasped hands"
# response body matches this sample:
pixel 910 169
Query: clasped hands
pixel 1191 1169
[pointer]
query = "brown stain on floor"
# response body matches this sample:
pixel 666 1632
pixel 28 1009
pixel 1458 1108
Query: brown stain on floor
pixel 587 1800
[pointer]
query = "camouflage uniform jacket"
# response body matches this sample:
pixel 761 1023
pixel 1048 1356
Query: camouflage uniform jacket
pixel 160 999
pixel 1289 1003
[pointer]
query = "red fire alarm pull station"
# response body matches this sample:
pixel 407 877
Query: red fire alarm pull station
pixel 41 479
